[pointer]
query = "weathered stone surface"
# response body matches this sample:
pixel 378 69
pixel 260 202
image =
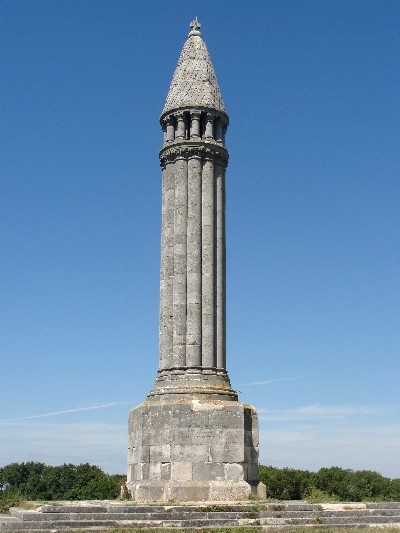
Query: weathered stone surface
pixel 262 491
pixel 194 81
pixel 207 455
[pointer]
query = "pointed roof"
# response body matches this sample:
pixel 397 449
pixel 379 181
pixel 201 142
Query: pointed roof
pixel 194 82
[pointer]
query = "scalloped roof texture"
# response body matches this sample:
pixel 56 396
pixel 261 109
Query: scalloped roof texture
pixel 194 82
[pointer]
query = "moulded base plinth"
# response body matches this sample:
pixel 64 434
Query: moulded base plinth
pixel 189 491
pixel 192 450
pixel 199 383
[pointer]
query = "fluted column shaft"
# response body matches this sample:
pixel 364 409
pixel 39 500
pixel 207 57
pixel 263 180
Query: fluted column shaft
pixel 194 263
pixel 180 263
pixel 219 178
pixel 192 288
pixel 167 267
pixel 208 262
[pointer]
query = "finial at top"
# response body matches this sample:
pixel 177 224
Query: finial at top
pixel 195 25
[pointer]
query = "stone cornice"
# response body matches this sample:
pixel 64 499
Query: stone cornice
pixel 192 149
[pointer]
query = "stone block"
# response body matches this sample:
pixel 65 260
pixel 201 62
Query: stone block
pixel 252 473
pixel 234 472
pixel 144 456
pixel 181 471
pixel 208 472
pixel 165 471
pixel 160 452
pixel 154 470
pixel 131 455
pixel 144 471
pixel 189 491
pixel 229 491
pixel 189 452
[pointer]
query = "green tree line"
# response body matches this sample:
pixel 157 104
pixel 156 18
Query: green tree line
pixel 332 483
pixel 37 481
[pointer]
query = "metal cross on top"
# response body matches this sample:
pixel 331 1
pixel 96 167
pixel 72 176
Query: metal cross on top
pixel 195 25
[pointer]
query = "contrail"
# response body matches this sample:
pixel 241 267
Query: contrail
pixel 319 374
pixel 56 413
pixel 268 381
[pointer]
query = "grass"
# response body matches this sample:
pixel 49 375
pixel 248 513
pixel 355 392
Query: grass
pixel 313 529
pixel 319 496
pixel 214 508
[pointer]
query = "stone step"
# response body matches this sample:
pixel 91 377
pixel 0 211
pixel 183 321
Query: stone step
pixel 367 519
pixel 366 512
pixel 313 514
pixel 48 526
pixel 244 507
pixel 84 524
pixel 291 506
pixel 288 514
pixel 333 520
pixel 87 516
pixel 62 508
pixel 56 517
pixel 383 505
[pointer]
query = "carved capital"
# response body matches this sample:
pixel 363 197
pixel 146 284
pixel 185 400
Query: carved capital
pixel 179 115
pixel 213 152
pixel 168 120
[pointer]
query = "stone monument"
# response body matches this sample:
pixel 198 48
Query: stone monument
pixel 191 439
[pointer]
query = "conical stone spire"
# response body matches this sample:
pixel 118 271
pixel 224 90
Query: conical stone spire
pixel 194 83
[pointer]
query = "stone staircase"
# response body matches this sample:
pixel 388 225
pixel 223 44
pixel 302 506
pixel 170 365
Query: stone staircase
pixel 100 515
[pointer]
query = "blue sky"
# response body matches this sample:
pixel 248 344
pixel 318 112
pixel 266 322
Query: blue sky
pixel 312 91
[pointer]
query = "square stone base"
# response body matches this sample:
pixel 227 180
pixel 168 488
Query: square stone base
pixel 192 450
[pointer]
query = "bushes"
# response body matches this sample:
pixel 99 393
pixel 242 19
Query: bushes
pixel 353 486
pixel 285 483
pixel 334 482
pixel 394 494
pixel 9 498
pixel 36 481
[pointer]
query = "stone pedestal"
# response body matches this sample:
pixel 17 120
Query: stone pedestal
pixel 188 450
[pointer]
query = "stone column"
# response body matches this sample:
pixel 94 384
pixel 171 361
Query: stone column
pixel 194 300
pixel 170 132
pixel 209 133
pixel 180 256
pixel 195 124
pixel 180 129
pixel 223 134
pixel 219 130
pixel 208 261
pixel 167 267
pixel 219 177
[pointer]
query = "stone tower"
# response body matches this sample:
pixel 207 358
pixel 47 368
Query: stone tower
pixel 191 439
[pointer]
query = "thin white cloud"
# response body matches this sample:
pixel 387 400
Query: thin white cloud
pixel 323 412
pixel 360 437
pixel 101 444
pixel 307 376
pixel 57 413
pixel 269 381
